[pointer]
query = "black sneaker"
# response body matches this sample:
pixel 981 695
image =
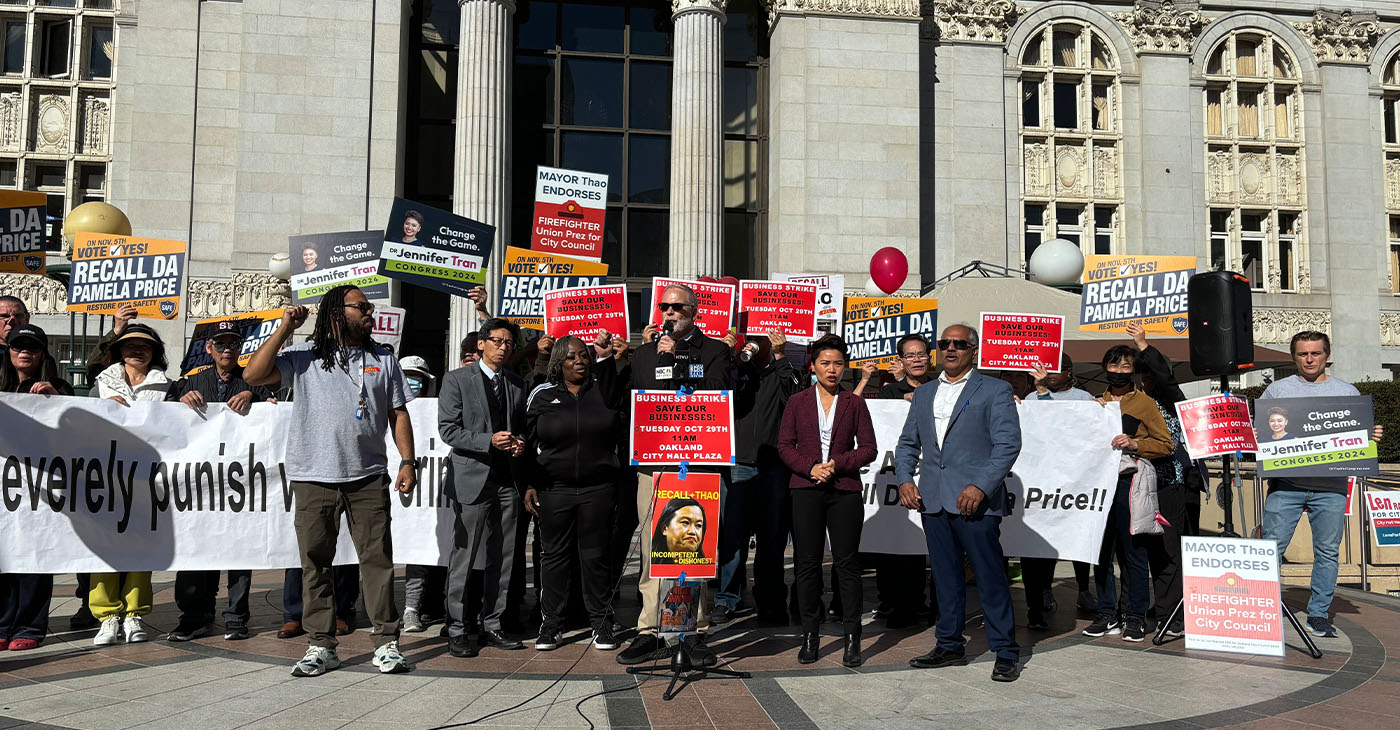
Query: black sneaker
pixel 1176 629
pixel 644 648
pixel 188 630
pixel 1320 626
pixel 1134 630
pixel 700 652
pixel 1104 626
pixel 548 640
pixel 603 637
pixel 720 615
pixel 235 632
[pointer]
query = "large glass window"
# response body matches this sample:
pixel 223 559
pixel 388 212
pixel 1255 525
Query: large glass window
pixel 1390 150
pixel 1255 161
pixel 1071 136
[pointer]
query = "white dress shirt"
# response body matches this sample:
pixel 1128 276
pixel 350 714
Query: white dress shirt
pixel 825 419
pixel 945 400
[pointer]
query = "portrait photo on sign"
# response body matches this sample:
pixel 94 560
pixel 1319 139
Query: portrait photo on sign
pixel 684 536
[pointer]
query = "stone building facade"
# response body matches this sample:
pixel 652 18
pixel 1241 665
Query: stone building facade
pixel 749 136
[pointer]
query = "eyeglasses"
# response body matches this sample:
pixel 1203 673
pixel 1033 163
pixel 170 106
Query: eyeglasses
pixel 671 306
pixel 915 356
pixel 365 307
pixel 500 341
pixel 954 345
pixel 226 346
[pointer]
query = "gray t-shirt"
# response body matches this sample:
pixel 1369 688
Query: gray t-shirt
pixel 327 443
pixel 1071 394
pixel 1296 387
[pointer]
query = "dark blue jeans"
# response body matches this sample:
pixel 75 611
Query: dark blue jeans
pixel 1131 552
pixel 196 591
pixel 24 605
pixel 345 582
pixel 756 503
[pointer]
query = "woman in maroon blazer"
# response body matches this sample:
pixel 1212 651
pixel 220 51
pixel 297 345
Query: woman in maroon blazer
pixel 826 438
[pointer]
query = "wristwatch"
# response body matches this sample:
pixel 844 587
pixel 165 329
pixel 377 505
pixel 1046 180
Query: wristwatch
pixel 409 462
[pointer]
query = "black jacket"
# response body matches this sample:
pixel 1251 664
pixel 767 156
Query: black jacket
pixel 698 353
pixel 59 384
pixel 574 439
pixel 759 398
pixel 206 382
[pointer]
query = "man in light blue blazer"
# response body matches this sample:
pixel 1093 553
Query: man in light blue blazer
pixel 965 429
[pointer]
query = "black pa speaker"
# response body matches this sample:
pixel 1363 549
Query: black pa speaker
pixel 1221 316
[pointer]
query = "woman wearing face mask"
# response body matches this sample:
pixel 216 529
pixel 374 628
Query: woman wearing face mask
pixel 135 372
pixel 825 438
pixel 27 367
pixel 424 597
pixel 421 382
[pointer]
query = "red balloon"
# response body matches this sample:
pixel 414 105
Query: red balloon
pixel 706 279
pixel 730 280
pixel 888 269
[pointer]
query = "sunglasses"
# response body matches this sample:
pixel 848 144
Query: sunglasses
pixel 30 347
pixel 365 307
pixel 226 346
pixel 671 306
pixel 954 345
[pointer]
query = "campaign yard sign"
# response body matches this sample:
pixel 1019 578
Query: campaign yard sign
pixel 1021 341
pixel 571 207
pixel 255 327
pixel 1149 290
pixel 684 526
pixel 109 271
pixel 1316 437
pixel 1231 591
pixel 716 311
pixel 1384 508
pixel 527 275
pixel 323 261
pixel 388 326
pixel 831 292
pixel 678 428
pixel 1215 425
pixel 873 326
pixel 582 311
pixel 435 249
pixel 23 228
pixel 791 308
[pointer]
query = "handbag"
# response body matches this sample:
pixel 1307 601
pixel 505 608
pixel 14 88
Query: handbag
pixel 1144 518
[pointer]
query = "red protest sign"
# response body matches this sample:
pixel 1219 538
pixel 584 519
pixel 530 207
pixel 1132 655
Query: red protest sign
pixel 1215 425
pixel 674 428
pixel 684 525
pixel 1021 341
pixel 571 208
pixel 779 305
pixel 716 304
pixel 583 310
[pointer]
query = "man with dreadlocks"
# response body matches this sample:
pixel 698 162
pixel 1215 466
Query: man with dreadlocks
pixel 348 392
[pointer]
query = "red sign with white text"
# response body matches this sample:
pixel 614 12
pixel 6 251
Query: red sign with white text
pixel 1021 341
pixel 675 428
pixel 684 525
pixel 584 310
pixel 779 305
pixel 571 208
pixel 716 304
pixel 1215 425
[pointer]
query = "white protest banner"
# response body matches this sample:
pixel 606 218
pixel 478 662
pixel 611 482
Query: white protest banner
pixel 388 326
pixel 93 486
pixel 1061 484
pixel 1231 589
pixel 831 292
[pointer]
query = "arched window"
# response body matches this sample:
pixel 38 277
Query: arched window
pixel 1390 115
pixel 1071 135
pixel 1254 162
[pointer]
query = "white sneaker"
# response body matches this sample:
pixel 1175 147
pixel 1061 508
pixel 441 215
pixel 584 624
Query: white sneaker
pixel 389 660
pixel 412 621
pixel 110 633
pixel 135 632
pixel 317 661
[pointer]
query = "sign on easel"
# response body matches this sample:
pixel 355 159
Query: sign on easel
pixel 1231 591
pixel 684 525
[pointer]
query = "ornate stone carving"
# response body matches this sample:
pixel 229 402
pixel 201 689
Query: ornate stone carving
pixel 974 21
pixel 95 114
pixel 1341 36
pixel 1390 329
pixel 1392 183
pixel 1072 171
pixel 711 6
pixel 1037 169
pixel 1289 175
pixel 41 294
pixel 51 124
pixel 1305 273
pixel 10 116
pixel 859 8
pixel 1277 326
pixel 1254 178
pixel 244 292
pixel 1105 172
pixel 1220 177
pixel 1163 26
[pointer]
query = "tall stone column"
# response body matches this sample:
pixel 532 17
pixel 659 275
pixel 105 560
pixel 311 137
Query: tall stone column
pixel 697 138
pixel 481 174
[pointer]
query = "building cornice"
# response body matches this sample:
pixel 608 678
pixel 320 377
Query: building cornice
pixel 1341 36
pixel 1163 26
pixel 973 21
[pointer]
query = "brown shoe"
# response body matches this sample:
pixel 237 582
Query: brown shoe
pixel 290 630
pixel 342 628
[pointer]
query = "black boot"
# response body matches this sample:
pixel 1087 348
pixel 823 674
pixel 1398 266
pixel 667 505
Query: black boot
pixel 852 656
pixel 808 654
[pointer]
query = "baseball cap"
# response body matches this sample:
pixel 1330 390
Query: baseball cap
pixel 416 364
pixel 28 332
pixel 227 328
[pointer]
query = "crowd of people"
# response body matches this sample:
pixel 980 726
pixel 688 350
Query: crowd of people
pixel 538 431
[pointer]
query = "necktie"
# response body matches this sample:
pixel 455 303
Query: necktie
pixel 496 386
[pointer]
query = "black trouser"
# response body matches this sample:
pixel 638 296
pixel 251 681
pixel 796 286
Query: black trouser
pixel 900 581
pixel 1081 575
pixel 515 592
pixel 345 581
pixel 624 523
pixel 24 605
pixel 575 523
pixel 1164 555
pixel 196 591
pixel 819 512
pixel 1037 575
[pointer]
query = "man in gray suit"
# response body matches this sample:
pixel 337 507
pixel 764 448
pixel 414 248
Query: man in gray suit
pixel 481 412
pixel 965 428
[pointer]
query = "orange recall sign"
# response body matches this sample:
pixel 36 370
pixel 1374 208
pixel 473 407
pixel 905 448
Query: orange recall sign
pixel 109 271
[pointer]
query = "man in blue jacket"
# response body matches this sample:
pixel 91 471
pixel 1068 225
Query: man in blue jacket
pixel 967 433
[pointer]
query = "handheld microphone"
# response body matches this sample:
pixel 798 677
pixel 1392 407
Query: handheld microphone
pixel 668 327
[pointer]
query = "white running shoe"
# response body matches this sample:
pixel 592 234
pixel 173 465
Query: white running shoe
pixel 110 633
pixel 317 661
pixel 389 660
pixel 135 632
pixel 412 621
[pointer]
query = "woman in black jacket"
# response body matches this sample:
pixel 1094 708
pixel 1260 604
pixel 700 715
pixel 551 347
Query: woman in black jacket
pixel 574 424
